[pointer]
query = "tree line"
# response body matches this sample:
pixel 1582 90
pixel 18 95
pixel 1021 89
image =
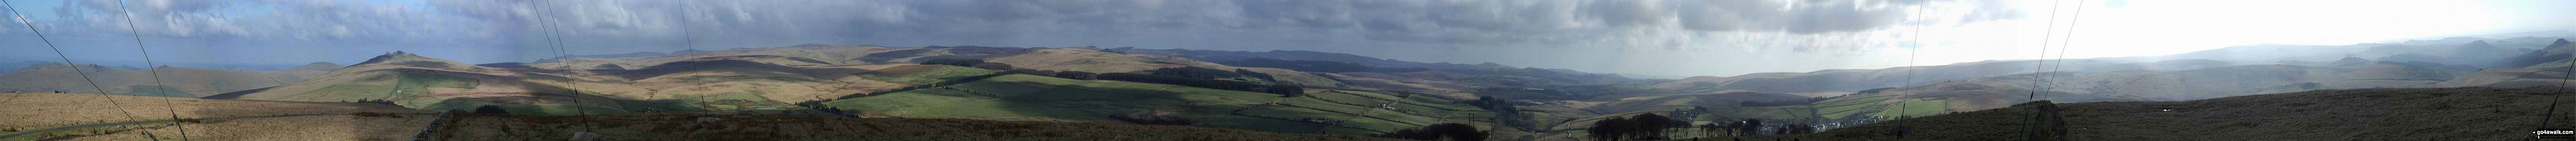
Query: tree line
pixel 1442 131
pixel 1505 113
pixel 1647 126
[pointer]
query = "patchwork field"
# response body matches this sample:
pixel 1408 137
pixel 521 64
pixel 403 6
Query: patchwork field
pixel 1029 97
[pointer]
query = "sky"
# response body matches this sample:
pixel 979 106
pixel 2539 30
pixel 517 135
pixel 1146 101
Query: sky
pixel 1640 38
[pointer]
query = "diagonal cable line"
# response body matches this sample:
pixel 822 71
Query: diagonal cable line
pixel 2067 38
pixel 67 60
pixel 554 32
pixel 155 70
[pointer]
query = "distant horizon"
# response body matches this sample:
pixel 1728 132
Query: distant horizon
pixel 205 65
pixel 1645 38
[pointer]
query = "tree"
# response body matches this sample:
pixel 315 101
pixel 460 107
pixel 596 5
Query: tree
pixel 1708 129
pixel 954 62
pixel 489 109
pixel 1285 90
pixel 1611 129
pixel 994 66
pixel 1749 126
pixel 1450 131
pixel 1650 126
pixel 1077 75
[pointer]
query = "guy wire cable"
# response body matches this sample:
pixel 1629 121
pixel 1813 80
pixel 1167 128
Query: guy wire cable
pixel 67 60
pixel 2562 85
pixel 687 40
pixel 2066 39
pixel 554 32
pixel 2043 51
pixel 2042 63
pixel 155 69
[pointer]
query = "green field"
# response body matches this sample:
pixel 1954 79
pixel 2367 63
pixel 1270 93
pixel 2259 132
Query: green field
pixel 907 100
pixel 1917 108
pixel 1262 124
pixel 1404 118
pixel 1347 99
pixel 934 75
pixel 1320 104
pixel 1379 96
pixel 1049 98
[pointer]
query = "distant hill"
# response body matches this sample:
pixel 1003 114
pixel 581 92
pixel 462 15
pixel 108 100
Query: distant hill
pixel 2356 114
pixel 2550 72
pixel 6 67
pixel 745 82
pixel 179 81
pixel 1862 79
pixel 1230 56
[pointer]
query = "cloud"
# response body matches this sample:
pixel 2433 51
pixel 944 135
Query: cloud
pixel 1469 31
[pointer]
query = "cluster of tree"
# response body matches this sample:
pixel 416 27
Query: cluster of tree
pixel 954 62
pixel 1249 73
pixel 1300 65
pixel 1284 90
pixel 1872 91
pixel 375 114
pixel 1075 75
pixel 489 109
pixel 1156 116
pixel 1505 113
pixel 1794 128
pixel 1195 73
pixel 374 101
pixel 1437 132
pixel 817 105
pixel 1640 127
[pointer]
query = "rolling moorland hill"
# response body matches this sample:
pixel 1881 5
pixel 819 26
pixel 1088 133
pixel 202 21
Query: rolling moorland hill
pixel 1862 79
pixel 2469 113
pixel 173 81
pixel 738 83
pixel 86 117
pixel 1231 56
pixel 2550 73
pixel 1039 98
pixel 2455 57
pixel 470 127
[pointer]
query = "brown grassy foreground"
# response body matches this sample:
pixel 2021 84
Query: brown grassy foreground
pixel 2474 113
pixel 784 127
pixel 45 110
pixel 288 128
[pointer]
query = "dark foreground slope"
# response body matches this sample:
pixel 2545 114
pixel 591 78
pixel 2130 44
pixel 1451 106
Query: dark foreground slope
pixel 2468 113
pixel 810 128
